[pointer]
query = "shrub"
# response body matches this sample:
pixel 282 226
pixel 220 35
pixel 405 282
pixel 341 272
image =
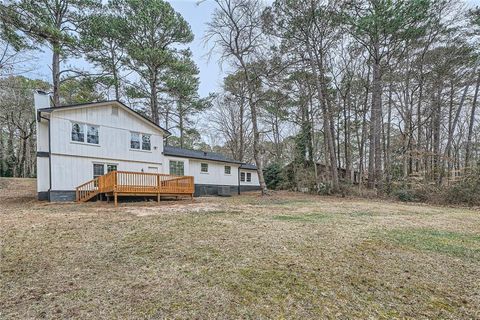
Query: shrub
pixel 466 192
pixel 273 177
pixel 416 193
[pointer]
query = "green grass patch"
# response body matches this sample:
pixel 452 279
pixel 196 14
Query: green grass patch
pixel 461 245
pixel 309 217
pixel 361 214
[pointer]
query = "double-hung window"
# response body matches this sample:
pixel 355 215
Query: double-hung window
pixel 78 133
pixel 228 170
pixel 204 167
pixel 145 142
pixel 140 141
pixel 177 168
pixel 249 177
pixel 98 170
pixel 92 134
pixel 135 140
pixel 242 176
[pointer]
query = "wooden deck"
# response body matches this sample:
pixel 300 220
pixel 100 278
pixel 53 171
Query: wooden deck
pixel 126 183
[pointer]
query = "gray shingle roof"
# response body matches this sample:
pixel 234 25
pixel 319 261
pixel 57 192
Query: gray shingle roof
pixel 203 155
pixel 248 166
pixel 196 154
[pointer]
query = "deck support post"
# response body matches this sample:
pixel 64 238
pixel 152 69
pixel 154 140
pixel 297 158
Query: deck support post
pixel 115 197
pixel 158 197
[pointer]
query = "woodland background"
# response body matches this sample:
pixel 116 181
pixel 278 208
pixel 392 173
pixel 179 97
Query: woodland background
pixel 369 97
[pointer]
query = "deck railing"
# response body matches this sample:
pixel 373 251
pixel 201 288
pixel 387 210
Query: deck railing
pixel 136 183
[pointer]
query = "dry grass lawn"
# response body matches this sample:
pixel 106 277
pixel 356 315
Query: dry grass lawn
pixel 284 256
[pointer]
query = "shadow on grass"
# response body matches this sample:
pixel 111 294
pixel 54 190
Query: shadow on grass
pixel 460 245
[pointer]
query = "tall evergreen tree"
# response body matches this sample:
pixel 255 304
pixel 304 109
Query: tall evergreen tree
pixel 152 33
pixel 52 23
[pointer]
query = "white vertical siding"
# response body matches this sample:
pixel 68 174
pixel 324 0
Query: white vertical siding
pixel 72 162
pixel 216 173
pixel 43 179
pixel 114 134
pixel 69 172
pixel 254 182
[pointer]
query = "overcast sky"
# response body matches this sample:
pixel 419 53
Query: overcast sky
pixel 211 74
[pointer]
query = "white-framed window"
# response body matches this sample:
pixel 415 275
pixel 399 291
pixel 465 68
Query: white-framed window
pixel 98 170
pixel 177 168
pixel 78 133
pixel 242 176
pixel 249 177
pixel 146 142
pixel 228 170
pixel 92 134
pixel 204 167
pixel 135 140
pixel 140 141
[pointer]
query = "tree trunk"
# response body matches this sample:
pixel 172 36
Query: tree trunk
pixel 154 98
pixel 56 73
pixel 375 172
pixel 241 132
pixel 436 127
pixel 452 127
pixel 321 87
pixel 472 122
pixel 388 167
pixel 180 123
pixel 256 133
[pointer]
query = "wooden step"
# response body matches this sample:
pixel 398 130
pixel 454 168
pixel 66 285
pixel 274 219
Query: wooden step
pixel 88 196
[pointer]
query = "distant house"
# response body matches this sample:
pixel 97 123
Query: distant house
pixel 77 143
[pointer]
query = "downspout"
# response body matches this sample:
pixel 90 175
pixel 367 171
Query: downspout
pixel 49 157
pixel 238 178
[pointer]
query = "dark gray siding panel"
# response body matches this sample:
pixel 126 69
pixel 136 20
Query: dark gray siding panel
pixel 43 154
pixel 42 196
pixel 62 195
pixel 249 188
pixel 211 189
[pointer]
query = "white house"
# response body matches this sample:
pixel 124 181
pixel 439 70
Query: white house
pixel 76 143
